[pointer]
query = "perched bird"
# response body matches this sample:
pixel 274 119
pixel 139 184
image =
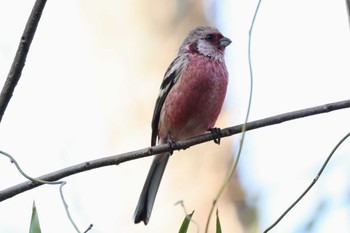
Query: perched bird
pixel 190 100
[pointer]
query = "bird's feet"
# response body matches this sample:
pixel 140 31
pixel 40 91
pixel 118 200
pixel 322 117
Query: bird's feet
pixel 216 132
pixel 172 143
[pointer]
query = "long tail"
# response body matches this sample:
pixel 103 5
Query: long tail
pixel 148 195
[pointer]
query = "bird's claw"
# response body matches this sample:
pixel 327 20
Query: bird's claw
pixel 172 143
pixel 216 132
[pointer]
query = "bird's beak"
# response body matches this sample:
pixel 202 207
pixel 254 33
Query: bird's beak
pixel 225 41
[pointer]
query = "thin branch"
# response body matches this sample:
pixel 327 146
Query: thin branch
pixel 61 183
pixel 310 185
pixel 21 55
pixel 121 158
pixel 241 142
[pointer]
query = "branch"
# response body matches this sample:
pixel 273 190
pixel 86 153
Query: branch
pixel 121 158
pixel 21 55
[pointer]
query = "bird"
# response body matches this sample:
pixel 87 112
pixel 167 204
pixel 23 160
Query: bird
pixel 189 102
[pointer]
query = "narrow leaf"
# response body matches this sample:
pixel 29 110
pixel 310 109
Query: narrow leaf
pixel 218 225
pixel 34 222
pixel 186 223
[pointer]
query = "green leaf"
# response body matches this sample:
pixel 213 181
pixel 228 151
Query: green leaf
pixel 218 225
pixel 186 223
pixel 34 223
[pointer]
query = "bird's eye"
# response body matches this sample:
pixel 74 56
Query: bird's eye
pixel 209 37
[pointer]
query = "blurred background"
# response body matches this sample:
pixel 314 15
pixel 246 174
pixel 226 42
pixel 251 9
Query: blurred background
pixel 88 91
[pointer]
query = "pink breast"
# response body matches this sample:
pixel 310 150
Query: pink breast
pixel 194 103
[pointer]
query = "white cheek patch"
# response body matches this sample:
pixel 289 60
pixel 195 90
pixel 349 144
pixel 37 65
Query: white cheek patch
pixel 204 48
pixel 209 50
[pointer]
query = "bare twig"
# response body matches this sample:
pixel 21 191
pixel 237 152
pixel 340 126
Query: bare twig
pixel 117 159
pixel 310 186
pixel 21 55
pixel 241 142
pixel 61 183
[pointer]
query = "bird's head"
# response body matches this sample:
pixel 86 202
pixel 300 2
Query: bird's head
pixel 207 41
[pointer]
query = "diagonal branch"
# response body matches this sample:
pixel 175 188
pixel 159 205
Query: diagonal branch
pixel 21 55
pixel 121 158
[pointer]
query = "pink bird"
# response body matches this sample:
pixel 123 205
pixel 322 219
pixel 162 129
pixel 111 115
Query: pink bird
pixel 190 100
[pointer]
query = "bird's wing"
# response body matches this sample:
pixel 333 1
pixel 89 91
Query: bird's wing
pixel 171 76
